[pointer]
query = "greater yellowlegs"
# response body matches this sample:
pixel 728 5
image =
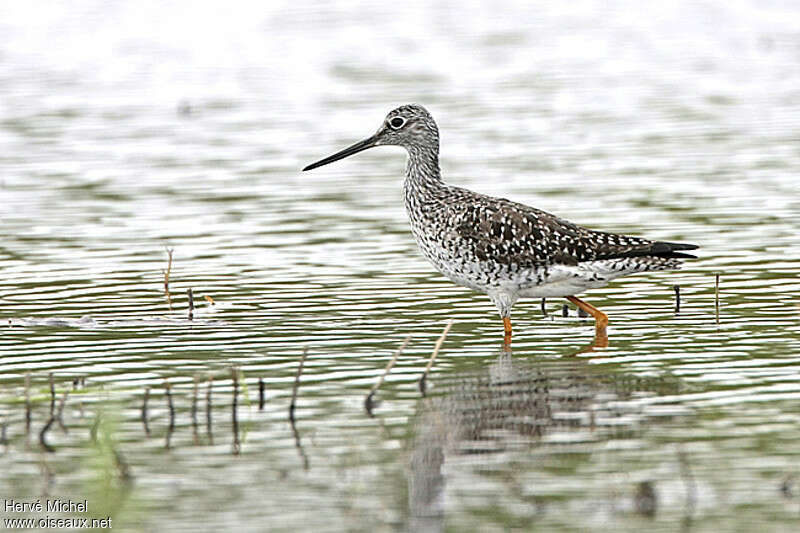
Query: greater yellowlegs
pixel 505 249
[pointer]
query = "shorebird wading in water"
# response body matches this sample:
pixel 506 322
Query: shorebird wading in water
pixel 505 249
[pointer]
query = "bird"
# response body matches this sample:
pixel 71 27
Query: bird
pixel 502 248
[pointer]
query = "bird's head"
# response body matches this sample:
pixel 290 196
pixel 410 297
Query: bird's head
pixel 409 126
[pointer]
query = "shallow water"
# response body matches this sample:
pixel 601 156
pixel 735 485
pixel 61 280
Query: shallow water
pixel 125 131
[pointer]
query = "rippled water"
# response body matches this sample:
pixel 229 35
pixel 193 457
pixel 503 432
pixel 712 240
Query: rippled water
pixel 133 128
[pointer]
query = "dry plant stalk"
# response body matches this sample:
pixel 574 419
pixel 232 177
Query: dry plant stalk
pixel 166 276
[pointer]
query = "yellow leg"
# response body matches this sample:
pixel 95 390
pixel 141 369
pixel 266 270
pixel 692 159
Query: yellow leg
pixel 600 320
pixel 507 329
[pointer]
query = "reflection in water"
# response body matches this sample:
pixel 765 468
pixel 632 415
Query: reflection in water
pixel 653 121
pixel 292 406
pixel 171 411
pixel 144 415
pixel 298 443
pixel 235 410
pixel 209 411
pixel 514 404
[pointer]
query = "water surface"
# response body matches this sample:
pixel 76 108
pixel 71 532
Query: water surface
pixel 126 130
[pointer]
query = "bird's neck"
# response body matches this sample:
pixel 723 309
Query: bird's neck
pixel 423 177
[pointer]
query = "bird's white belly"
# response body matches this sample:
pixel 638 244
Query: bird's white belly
pixel 551 282
pixel 566 280
pixel 559 289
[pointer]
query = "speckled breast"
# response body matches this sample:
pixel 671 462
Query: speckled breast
pixel 454 257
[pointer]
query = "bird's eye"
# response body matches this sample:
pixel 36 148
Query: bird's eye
pixel 397 122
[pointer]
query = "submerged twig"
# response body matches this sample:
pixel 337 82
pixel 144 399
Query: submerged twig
pixel 52 418
pixel 48 477
pixel 369 401
pixel 191 304
pixel 60 411
pixel 94 428
pixel 209 431
pixel 298 443
pixel 689 484
pixel 787 485
pixel 293 403
pixel 235 378
pixel 122 465
pixel 646 499
pixel 677 289
pixel 27 404
pixel 716 296
pixel 171 409
pixel 52 394
pixel 423 380
pixel 119 460
pixel 195 436
pixel 79 382
pixel 42 434
pixel 166 277
pixel 144 411
pixel 170 406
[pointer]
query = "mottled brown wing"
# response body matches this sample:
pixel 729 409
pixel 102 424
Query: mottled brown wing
pixel 509 233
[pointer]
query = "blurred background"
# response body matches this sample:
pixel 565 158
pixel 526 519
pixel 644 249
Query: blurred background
pixel 131 129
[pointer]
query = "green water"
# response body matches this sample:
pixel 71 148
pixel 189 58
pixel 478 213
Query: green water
pixel 128 130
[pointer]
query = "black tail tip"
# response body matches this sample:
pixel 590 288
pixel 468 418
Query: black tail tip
pixel 672 250
pixel 679 255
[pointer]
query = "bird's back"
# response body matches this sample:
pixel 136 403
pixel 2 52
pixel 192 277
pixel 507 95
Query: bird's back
pixel 482 241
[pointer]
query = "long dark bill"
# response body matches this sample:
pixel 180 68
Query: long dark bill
pixel 357 147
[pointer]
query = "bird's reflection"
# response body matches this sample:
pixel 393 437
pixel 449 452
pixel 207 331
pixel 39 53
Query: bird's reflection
pixel 600 340
pixel 510 403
